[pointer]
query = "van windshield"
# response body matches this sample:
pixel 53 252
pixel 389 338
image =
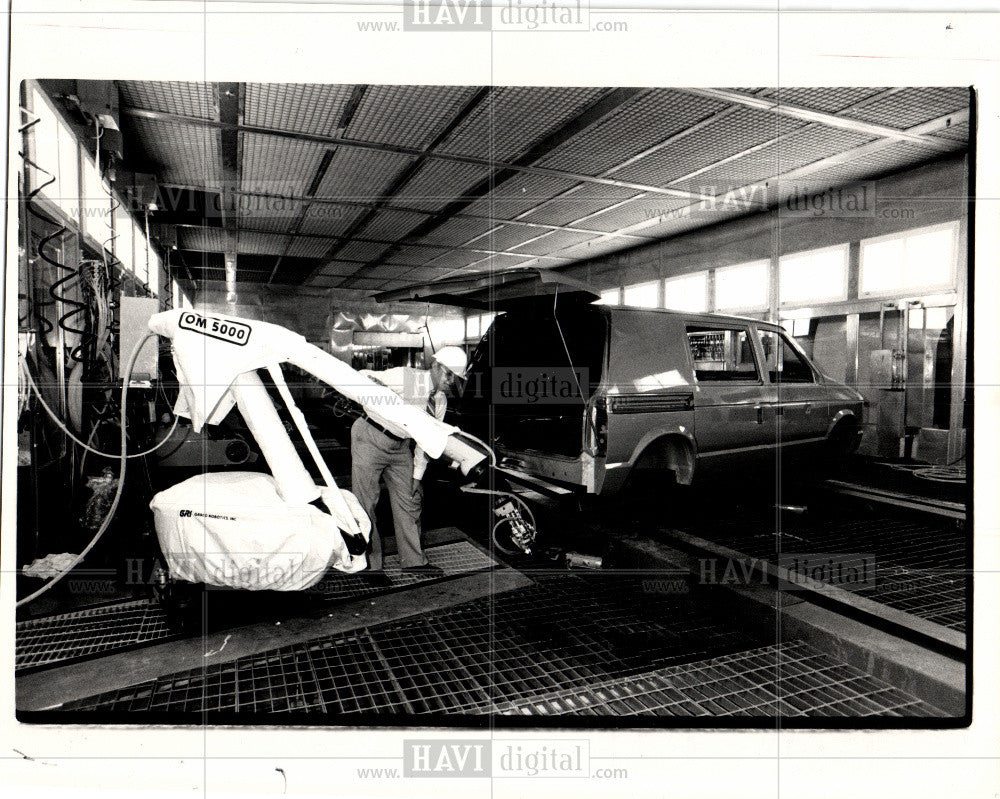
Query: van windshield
pixel 522 383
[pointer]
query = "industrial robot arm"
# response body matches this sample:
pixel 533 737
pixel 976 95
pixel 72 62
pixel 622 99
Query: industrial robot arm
pixel 217 358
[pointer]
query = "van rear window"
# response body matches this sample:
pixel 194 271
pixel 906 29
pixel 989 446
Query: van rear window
pixel 722 354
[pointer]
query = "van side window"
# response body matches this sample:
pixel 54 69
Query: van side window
pixel 722 354
pixel 783 362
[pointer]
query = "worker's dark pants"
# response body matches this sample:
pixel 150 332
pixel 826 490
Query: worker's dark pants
pixel 375 455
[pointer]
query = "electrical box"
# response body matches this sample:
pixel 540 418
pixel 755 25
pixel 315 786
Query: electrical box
pixel 133 325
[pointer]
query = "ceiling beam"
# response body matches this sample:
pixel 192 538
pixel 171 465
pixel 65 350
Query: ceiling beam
pixel 822 117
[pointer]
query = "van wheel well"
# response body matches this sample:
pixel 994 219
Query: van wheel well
pixel 670 453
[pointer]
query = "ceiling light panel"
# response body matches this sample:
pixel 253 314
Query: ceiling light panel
pixel 628 130
pixel 514 117
pixel 171 97
pixel 408 116
pixel 301 107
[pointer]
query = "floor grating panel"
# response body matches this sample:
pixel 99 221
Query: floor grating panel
pixel 568 643
pixel 51 640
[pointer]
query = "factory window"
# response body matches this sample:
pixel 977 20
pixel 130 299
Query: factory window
pixel 155 272
pixel 742 287
pixel 472 328
pixel 141 247
pixel 96 203
pixel 813 276
pixel 918 259
pixel 784 364
pixel 721 354
pixel 123 236
pixel 56 153
pixel 643 295
pixel 687 292
pixel 609 297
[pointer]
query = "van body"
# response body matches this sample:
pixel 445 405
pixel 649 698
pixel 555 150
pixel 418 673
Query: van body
pixel 586 395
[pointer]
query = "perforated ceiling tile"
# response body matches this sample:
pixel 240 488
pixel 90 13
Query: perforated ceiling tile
pixel 628 130
pixel 413 255
pixel 360 175
pixel 308 247
pixel 439 183
pixel 389 272
pixel 739 131
pixel 636 211
pixel 583 200
pixel 171 97
pixel 363 251
pixel 190 155
pixel 201 239
pixel 892 158
pixel 514 117
pixel 794 151
pixel 423 273
pixel 552 243
pixel 699 217
pixel 409 116
pixel 262 243
pixel 454 259
pixel 391 225
pixel 517 195
pixel 829 98
pixel 593 249
pixel 265 215
pixel 958 132
pixel 276 165
pixel 338 268
pixel 507 237
pixel 327 219
pixel 912 106
pixel 458 230
pixel 302 107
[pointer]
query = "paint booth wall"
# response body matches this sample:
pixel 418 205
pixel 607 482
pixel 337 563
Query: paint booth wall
pixel 331 320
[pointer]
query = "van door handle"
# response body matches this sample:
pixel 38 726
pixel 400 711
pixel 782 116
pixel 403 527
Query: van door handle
pixel 760 413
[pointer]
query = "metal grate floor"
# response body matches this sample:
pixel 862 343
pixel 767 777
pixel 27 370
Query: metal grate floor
pixel 567 643
pixel 920 566
pixel 781 681
pixel 52 639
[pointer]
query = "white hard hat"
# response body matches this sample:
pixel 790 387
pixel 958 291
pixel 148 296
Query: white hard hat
pixel 452 358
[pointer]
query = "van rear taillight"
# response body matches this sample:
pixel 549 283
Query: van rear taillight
pixel 595 440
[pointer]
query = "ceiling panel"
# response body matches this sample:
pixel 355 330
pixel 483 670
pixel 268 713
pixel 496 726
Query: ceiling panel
pixel 327 219
pixel 889 159
pixel 458 230
pixel 391 225
pixel 506 237
pixel 734 133
pixel 275 165
pixel 551 243
pixel 185 154
pixel 171 97
pixel 453 259
pixel 309 247
pixel 338 268
pixel 517 195
pixel 409 116
pixel 911 106
pixel 262 243
pixel 642 209
pixel 438 183
pixel 822 98
pixel 363 251
pixel 514 117
pixel 302 107
pixel 264 215
pixel 633 127
pixel 791 152
pixel 413 255
pixel 360 175
pixel 201 239
pixel 583 200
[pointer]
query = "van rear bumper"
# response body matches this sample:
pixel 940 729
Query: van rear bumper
pixel 583 472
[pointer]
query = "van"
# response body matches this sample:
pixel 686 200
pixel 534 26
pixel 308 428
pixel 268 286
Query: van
pixel 587 395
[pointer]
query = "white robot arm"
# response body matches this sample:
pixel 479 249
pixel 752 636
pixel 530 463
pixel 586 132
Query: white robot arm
pixel 217 358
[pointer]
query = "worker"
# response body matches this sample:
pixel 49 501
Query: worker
pixel 378 453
